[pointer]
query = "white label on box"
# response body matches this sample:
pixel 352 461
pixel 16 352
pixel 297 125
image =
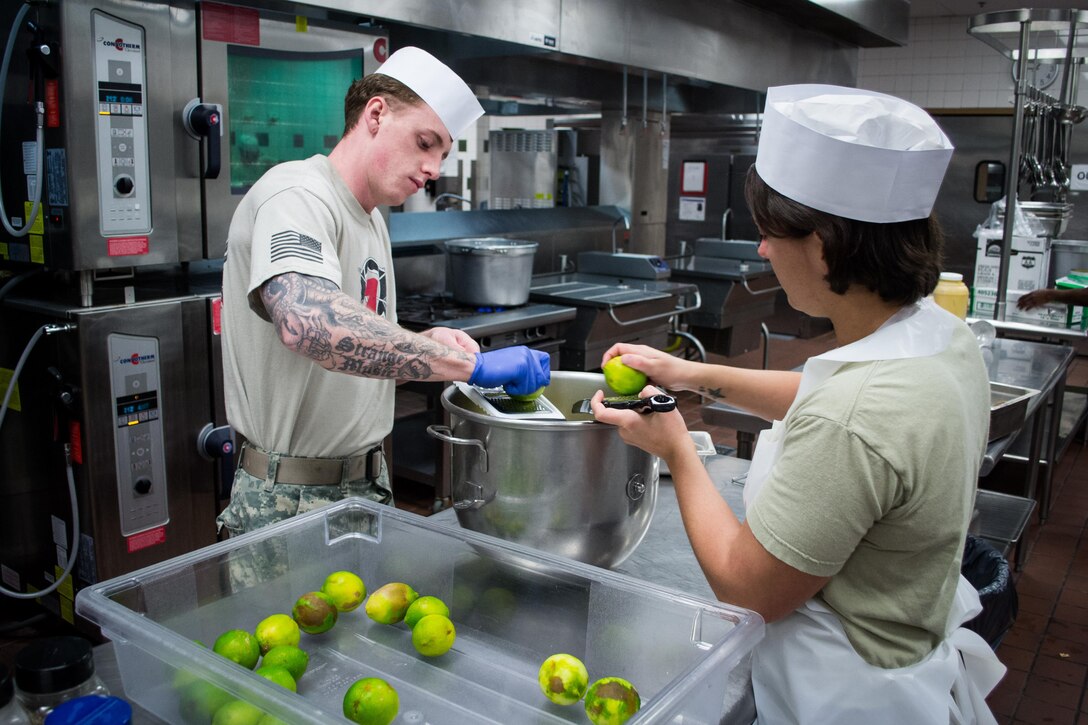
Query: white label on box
pixel 1078 180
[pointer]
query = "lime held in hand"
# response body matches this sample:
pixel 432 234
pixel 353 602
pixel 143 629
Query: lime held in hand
pixel 623 379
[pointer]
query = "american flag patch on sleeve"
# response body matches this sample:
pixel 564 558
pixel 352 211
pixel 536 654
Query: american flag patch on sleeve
pixel 293 244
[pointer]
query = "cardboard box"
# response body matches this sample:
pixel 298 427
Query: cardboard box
pixel 1048 315
pixel 1029 262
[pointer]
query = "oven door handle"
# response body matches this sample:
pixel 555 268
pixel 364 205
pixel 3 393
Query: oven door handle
pixel 658 316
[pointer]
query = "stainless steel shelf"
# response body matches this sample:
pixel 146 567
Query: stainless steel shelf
pixel 1048 28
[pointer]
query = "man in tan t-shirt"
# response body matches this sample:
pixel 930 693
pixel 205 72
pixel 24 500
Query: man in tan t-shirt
pixel 312 348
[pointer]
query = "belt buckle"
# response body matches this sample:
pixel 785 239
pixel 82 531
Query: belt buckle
pixel 373 464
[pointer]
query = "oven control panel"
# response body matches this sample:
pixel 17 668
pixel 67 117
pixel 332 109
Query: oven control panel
pixel 138 438
pixel 124 192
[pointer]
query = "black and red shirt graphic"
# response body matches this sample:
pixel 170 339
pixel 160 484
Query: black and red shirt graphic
pixel 372 282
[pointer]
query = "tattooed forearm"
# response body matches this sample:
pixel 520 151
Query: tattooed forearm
pixel 315 319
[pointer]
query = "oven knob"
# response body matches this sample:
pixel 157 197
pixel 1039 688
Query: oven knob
pixel 124 185
pixel 142 486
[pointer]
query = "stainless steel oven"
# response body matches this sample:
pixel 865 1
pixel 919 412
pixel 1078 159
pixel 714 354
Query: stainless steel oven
pixel 129 389
pixel 158 116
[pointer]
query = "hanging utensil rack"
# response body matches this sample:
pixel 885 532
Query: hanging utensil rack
pixel 1042 125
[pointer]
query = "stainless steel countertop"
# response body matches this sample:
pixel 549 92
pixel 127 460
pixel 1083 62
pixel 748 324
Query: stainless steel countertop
pixel 665 558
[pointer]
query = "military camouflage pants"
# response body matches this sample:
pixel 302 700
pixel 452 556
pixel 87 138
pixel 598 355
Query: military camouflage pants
pixel 255 502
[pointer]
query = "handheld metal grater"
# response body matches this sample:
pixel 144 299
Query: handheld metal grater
pixel 495 401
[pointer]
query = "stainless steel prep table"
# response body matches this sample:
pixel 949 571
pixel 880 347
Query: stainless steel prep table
pixel 665 558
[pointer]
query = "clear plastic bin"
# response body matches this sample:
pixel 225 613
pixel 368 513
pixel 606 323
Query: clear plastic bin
pixel 512 607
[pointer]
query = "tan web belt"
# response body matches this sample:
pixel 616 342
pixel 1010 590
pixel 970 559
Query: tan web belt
pixel 301 471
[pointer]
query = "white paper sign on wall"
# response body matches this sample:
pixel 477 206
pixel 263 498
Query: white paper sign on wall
pixel 1078 178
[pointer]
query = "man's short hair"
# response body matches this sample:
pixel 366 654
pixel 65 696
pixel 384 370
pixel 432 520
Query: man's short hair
pixel 900 261
pixel 367 87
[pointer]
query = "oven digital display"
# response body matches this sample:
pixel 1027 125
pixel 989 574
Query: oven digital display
pixel 120 93
pixel 137 408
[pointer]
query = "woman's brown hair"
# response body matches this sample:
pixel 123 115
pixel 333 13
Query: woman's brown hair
pixel 900 261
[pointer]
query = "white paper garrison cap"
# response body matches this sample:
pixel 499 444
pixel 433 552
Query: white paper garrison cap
pixel 853 153
pixel 439 87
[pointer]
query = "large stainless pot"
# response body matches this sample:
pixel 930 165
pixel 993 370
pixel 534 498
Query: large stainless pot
pixel 571 487
pixel 491 271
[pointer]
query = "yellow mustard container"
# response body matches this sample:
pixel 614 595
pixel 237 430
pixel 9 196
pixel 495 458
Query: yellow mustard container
pixel 952 294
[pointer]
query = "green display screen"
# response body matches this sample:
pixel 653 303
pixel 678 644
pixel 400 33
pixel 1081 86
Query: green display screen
pixel 284 107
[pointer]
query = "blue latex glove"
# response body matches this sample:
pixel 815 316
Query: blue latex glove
pixel 519 370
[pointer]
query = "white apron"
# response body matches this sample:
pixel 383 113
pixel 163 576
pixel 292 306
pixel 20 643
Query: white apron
pixel 805 670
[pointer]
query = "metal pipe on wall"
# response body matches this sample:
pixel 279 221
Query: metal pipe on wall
pixel 1012 176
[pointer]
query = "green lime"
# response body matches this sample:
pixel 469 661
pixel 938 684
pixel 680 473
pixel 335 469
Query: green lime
pixel 371 701
pixel 315 612
pixel 611 701
pixel 237 712
pixel 200 700
pixel 433 635
pixel 623 379
pixel 389 603
pixel 423 606
pixel 284 655
pixel 240 646
pixel 346 589
pixel 278 674
pixel 275 630
pixel 563 679
pixel 269 719
pixel 526 397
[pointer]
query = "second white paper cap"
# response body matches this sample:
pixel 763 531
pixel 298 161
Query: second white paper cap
pixel 853 153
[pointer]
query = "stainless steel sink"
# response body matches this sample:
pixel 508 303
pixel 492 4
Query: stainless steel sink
pixel 1008 408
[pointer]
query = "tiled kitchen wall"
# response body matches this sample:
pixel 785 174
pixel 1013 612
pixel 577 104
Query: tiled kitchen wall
pixel 943 67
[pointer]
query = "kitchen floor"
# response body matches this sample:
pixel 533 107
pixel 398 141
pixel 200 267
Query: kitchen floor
pixel 1046 650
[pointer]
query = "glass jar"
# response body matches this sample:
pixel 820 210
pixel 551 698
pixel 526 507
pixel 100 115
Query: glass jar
pixel 952 294
pixel 53 670
pixel 11 712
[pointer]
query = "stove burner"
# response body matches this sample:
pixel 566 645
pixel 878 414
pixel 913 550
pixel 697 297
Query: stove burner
pixel 426 309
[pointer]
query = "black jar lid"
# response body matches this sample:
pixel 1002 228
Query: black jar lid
pixel 7 687
pixel 54 664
